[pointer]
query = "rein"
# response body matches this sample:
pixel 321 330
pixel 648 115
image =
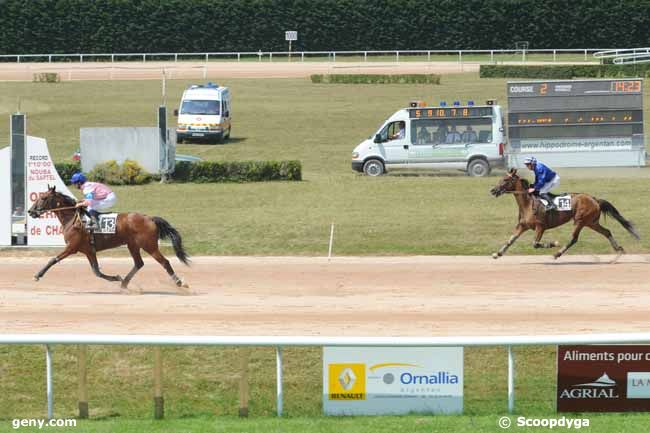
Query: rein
pixel 57 209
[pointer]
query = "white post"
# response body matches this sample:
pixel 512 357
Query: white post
pixel 48 375
pixel 491 56
pixel 329 253
pixel 397 56
pixel 278 367
pixel 511 380
pixel 554 57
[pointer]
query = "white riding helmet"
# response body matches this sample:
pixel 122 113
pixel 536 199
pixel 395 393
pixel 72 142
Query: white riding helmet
pixel 530 160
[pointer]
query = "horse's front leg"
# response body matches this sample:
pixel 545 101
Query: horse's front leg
pixel 94 264
pixel 68 251
pixel 539 232
pixel 518 231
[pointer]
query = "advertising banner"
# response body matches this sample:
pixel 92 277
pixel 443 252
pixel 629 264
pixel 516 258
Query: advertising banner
pixel 603 379
pixel 391 380
pixel 40 172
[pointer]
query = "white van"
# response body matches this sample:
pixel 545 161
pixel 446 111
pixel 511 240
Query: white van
pixel 465 137
pixel 204 113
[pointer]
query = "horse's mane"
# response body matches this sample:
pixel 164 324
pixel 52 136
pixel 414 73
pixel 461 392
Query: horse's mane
pixel 67 200
pixel 524 183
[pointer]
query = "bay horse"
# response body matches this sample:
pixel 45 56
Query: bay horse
pixel 585 212
pixel 137 231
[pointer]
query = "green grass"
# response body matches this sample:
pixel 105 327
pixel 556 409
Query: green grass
pixel 443 213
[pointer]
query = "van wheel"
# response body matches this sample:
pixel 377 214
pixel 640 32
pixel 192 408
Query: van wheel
pixel 478 168
pixel 373 167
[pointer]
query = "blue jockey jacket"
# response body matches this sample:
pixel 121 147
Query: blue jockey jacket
pixel 543 175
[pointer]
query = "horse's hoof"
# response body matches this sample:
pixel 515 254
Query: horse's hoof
pixel 496 255
pixel 556 256
pixel 36 278
pixel 555 244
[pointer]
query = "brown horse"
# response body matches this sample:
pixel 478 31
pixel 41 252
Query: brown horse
pixel 585 212
pixel 136 230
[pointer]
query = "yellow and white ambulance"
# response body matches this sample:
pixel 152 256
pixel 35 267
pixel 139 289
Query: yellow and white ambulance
pixel 204 114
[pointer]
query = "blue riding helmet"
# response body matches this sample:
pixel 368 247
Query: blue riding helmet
pixel 78 177
pixel 530 160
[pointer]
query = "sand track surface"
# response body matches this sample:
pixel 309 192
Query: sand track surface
pixel 351 296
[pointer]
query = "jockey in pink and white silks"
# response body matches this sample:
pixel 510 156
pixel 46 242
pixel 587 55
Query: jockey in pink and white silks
pixel 97 196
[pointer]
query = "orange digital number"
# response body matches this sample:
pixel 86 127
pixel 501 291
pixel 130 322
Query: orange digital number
pixel 429 113
pixel 543 89
pixel 453 112
pixel 465 112
pixel 417 113
pixel 440 113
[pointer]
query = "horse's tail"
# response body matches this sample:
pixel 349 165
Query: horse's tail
pixel 165 231
pixel 608 209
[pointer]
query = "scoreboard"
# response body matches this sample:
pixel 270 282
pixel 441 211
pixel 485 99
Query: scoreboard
pixel 577 123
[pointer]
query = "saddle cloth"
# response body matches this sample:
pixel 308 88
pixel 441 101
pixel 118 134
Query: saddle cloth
pixel 562 202
pixel 107 223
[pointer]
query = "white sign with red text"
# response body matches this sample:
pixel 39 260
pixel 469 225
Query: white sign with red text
pixel 39 174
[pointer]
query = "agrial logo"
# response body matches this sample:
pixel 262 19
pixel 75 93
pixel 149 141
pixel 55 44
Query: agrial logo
pixel 601 388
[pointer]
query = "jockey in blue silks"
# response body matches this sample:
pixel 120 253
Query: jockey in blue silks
pixel 545 180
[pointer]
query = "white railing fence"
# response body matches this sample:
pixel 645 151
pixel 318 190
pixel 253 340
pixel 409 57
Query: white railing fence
pixel 483 56
pixel 279 342
pixel 626 56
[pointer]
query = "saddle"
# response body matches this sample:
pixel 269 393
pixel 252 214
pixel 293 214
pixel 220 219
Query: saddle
pixel 107 223
pixel 561 202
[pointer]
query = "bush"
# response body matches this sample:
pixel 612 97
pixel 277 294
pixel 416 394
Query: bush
pixel 237 171
pixel 46 77
pixel 564 72
pixel 129 173
pixel 376 79
pixel 66 170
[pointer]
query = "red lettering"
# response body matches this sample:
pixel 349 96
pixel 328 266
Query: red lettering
pixel 54 230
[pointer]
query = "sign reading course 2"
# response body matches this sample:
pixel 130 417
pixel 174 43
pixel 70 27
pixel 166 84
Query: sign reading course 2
pixel 391 380
pixel 603 379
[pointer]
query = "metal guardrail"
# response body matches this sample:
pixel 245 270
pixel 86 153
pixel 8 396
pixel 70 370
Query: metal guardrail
pixel 331 55
pixel 279 342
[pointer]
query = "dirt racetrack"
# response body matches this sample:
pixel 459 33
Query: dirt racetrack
pixel 373 296
pixel 247 69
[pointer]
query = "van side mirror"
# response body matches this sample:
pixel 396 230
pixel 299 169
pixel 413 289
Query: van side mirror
pixel 176 113
pixel 378 138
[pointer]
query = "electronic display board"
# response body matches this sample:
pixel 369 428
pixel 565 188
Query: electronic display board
pixel 577 123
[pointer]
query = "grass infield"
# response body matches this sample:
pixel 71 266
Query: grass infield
pixel 435 213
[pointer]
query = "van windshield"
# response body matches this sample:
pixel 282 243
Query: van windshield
pixel 207 107
pixel 449 131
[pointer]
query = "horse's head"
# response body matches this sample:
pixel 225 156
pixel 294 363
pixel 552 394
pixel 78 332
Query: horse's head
pixel 507 184
pixel 51 199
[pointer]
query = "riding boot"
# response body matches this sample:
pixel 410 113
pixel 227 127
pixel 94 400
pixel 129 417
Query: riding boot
pixel 549 200
pixel 93 223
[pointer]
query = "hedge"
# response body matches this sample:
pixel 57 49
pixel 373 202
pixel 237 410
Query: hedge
pixel 376 79
pixel 237 171
pixel 568 72
pixel 112 173
pixel 155 26
pixel 66 170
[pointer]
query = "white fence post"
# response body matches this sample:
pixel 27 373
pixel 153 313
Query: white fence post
pixel 278 368
pixel 48 378
pixel 511 380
